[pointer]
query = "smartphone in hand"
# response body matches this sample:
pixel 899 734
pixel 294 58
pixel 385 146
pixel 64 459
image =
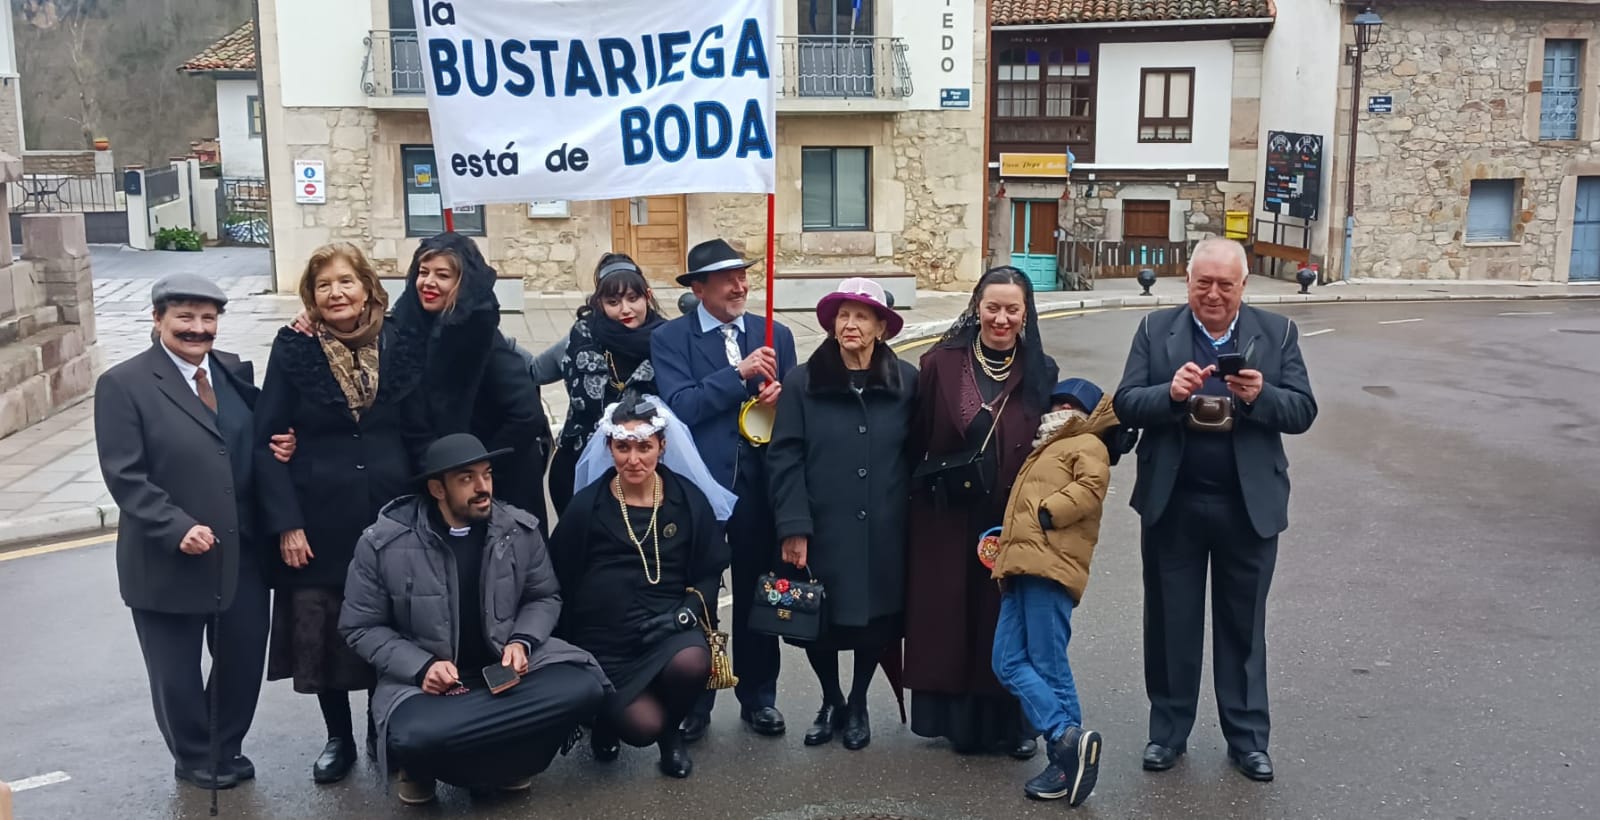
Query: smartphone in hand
pixel 1230 364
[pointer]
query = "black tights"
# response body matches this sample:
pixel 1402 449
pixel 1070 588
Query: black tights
pixel 336 715
pixel 654 715
pixel 825 662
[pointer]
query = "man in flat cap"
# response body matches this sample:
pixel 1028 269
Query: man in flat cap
pixel 173 428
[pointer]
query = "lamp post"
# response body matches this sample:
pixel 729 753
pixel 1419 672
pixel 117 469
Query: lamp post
pixel 1366 25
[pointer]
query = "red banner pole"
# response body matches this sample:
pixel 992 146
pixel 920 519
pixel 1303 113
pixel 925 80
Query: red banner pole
pixel 449 220
pixel 772 259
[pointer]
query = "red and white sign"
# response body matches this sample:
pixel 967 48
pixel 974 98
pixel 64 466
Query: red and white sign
pixel 311 182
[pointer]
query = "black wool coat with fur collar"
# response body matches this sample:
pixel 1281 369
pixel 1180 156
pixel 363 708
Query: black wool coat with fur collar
pixel 840 474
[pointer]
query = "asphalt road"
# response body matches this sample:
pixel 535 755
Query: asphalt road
pixel 1434 651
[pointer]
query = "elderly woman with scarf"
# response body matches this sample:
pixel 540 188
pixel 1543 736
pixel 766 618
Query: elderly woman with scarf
pixel 474 381
pixel 607 352
pixel 981 392
pixel 349 392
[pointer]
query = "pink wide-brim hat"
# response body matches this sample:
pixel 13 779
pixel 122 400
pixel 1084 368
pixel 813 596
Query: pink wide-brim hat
pixel 863 291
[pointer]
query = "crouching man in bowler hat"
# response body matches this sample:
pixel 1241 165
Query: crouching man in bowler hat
pixel 173 426
pixel 445 586
pixel 708 364
pixel 1216 385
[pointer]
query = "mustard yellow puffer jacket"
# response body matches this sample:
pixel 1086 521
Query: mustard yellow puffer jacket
pixel 1066 475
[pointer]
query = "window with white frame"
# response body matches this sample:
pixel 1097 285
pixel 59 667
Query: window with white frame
pixel 1559 104
pixel 835 189
pixel 1491 210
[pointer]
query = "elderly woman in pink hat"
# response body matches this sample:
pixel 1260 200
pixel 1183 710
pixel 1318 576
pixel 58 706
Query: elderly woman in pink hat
pixel 840 484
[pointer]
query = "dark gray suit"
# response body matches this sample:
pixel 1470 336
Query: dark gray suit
pixel 1187 524
pixel 171 463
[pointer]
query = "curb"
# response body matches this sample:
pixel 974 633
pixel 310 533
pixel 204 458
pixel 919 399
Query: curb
pixel 103 517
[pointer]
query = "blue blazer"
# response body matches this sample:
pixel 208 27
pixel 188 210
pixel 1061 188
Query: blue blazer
pixel 705 392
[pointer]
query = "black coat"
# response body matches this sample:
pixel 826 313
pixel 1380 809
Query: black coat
pixel 1163 343
pixel 474 381
pixel 840 473
pixel 165 463
pixel 343 471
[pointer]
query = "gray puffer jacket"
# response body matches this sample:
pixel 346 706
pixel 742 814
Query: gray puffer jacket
pixel 400 600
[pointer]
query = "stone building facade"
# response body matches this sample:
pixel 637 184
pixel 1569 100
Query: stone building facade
pixel 1481 171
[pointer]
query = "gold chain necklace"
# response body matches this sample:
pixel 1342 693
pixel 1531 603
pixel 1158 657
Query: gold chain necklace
pixel 616 378
pixel 649 534
pixel 1000 373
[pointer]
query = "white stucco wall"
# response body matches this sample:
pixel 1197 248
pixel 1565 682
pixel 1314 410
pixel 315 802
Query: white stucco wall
pixel 241 153
pixel 941 37
pixel 320 51
pixel 1300 88
pixel 1117 102
pixel 8 45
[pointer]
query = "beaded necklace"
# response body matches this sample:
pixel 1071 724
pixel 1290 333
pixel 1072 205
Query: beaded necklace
pixel 650 534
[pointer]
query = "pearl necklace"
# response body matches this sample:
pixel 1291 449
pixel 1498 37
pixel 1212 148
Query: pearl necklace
pixel 649 534
pixel 999 372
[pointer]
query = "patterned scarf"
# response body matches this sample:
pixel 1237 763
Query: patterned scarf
pixel 354 368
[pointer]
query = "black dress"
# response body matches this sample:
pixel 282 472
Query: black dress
pixel 605 594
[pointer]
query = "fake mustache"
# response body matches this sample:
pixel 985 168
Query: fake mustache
pixel 196 337
pixel 481 498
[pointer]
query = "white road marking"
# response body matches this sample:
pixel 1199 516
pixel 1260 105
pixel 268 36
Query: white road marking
pixel 1317 332
pixel 39 780
pixel 1529 313
pixel 1399 321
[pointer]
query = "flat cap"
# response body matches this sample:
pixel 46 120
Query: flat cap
pixel 182 286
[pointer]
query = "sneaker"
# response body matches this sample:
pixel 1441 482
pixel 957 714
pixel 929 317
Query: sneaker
pixel 415 792
pixel 1077 754
pixel 1050 784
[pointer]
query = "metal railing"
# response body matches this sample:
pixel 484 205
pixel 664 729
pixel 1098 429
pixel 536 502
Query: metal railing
pixel 242 203
pixel 845 67
pixel 66 193
pixel 393 66
pixel 1558 114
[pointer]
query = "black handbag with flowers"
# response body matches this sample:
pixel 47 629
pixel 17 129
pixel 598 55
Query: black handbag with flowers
pixel 792 610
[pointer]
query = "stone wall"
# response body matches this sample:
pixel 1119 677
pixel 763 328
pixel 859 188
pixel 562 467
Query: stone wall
pixel 48 354
pixel 67 163
pixel 11 117
pixel 1465 80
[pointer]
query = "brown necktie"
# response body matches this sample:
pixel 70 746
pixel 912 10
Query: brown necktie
pixel 203 387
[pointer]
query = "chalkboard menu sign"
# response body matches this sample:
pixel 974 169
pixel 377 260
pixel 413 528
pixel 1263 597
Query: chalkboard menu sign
pixel 1294 174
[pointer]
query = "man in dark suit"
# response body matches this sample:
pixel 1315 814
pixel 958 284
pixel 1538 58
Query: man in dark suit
pixel 173 428
pixel 1213 486
pixel 708 364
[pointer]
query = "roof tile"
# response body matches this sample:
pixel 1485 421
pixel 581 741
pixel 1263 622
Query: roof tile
pixel 1023 12
pixel 235 52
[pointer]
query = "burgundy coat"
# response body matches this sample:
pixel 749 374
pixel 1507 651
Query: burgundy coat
pixel 952 605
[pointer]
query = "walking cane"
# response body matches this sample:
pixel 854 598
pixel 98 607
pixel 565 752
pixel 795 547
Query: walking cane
pixel 212 697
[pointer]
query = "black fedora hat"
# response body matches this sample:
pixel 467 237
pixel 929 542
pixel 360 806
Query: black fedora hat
pixel 454 452
pixel 711 257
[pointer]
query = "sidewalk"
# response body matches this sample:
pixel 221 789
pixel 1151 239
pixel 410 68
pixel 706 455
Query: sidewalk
pixel 50 483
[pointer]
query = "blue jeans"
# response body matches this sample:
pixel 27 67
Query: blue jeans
pixel 1030 652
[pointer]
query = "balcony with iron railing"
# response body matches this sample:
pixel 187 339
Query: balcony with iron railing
pixel 815 74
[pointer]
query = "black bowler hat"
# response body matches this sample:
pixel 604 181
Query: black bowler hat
pixel 711 257
pixel 454 452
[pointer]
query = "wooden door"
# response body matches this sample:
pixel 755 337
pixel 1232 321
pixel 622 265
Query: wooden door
pixel 1146 220
pixel 652 230
pixel 1586 232
pixel 1033 240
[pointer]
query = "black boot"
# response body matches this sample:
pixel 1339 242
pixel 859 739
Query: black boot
pixel 603 744
pixel 857 730
pixel 336 760
pixel 675 760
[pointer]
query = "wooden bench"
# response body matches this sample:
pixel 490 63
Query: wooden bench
pixel 1262 251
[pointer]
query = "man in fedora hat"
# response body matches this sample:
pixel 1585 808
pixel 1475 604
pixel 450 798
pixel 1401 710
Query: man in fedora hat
pixel 708 364
pixel 443 589
pixel 173 427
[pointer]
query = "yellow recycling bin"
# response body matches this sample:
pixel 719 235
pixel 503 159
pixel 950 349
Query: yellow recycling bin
pixel 1238 225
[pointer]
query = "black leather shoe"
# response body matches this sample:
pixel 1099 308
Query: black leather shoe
pixel 335 762
pixel 203 777
pixel 604 746
pixel 1159 758
pixel 1025 749
pixel 694 727
pixel 821 731
pixel 857 730
pixel 766 721
pixel 675 760
pixel 243 769
pixel 1255 765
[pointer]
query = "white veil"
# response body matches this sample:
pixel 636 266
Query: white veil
pixel 680 456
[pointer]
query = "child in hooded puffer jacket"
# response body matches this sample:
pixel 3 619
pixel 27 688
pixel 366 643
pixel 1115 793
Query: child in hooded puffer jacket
pixel 1051 526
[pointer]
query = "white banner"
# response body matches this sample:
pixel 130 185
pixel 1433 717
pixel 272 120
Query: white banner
pixel 578 99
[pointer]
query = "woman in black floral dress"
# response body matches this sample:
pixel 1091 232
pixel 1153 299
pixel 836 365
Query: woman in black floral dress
pixel 608 351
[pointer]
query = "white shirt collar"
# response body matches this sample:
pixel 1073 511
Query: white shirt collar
pixel 188 370
pixel 709 323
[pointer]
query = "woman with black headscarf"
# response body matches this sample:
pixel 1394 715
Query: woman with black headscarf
pixel 607 352
pixel 474 380
pixel 981 392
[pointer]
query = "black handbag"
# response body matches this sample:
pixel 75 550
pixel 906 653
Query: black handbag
pixel 961 475
pixel 792 610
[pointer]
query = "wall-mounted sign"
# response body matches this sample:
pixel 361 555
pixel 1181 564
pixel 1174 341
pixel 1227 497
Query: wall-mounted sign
pixel 1380 104
pixel 310 182
pixel 1293 186
pixel 955 98
pixel 549 209
pixel 1052 166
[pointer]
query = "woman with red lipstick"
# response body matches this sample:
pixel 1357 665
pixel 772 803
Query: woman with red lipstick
pixel 474 381
pixel 607 352
pixel 980 394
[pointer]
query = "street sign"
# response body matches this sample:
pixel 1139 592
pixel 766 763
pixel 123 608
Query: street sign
pixel 955 98
pixel 1380 105
pixel 1294 174
pixel 311 182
